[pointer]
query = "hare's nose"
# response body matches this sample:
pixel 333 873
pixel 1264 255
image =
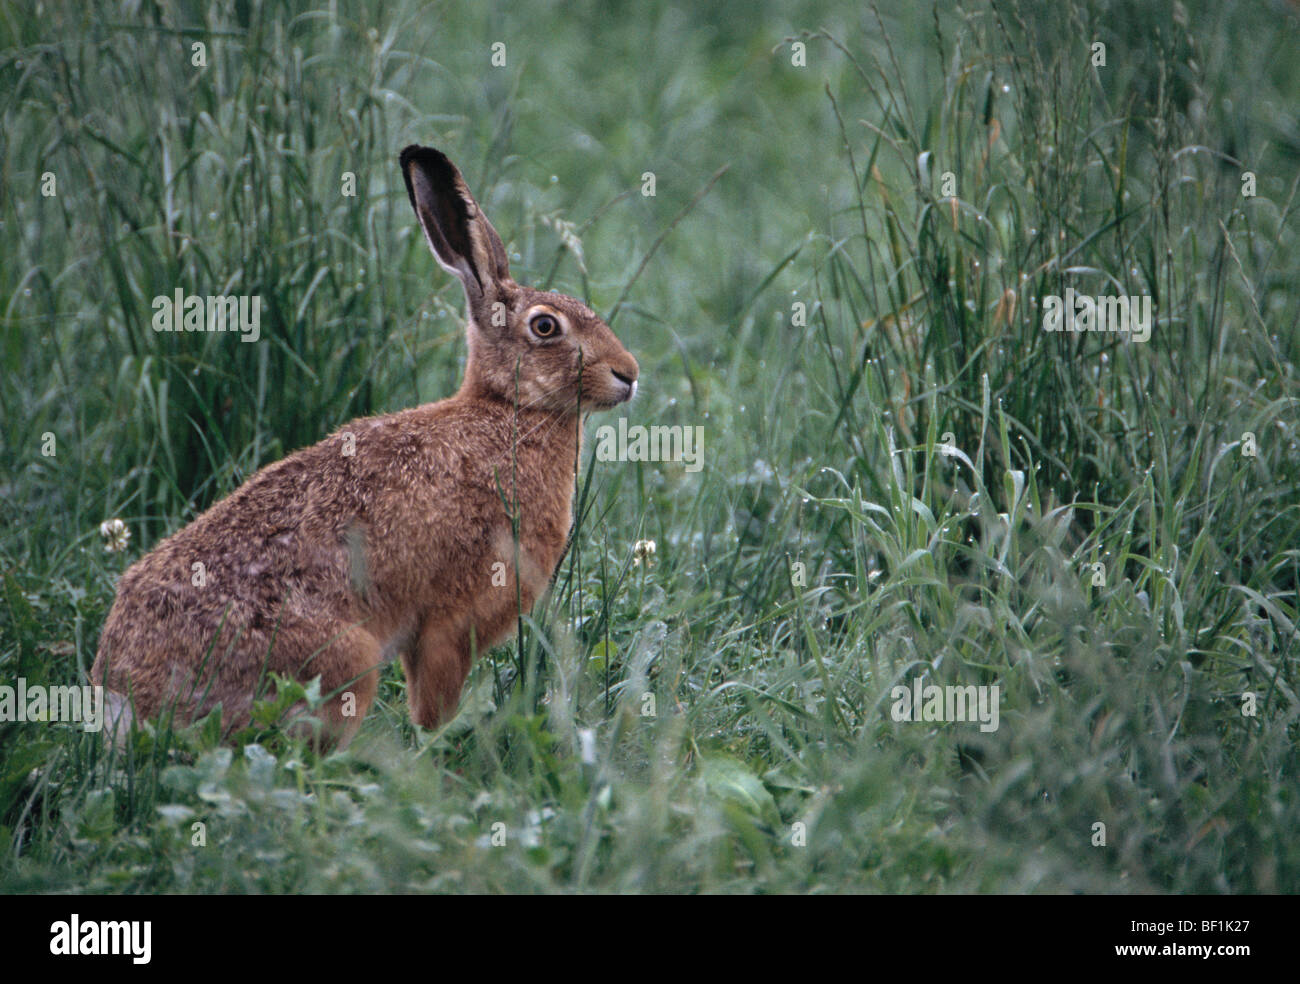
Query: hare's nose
pixel 626 380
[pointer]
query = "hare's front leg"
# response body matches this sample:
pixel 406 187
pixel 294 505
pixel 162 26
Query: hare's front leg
pixel 348 664
pixel 435 672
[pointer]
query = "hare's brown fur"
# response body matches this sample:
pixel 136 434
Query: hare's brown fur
pixel 394 536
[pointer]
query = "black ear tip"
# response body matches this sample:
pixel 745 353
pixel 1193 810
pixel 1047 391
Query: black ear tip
pixel 425 157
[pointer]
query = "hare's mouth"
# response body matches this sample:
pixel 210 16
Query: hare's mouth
pixel 618 393
pixel 603 402
pixel 613 391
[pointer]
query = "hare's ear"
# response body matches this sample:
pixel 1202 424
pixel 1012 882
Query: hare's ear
pixel 459 234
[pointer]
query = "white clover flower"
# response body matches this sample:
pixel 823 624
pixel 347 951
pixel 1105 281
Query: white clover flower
pixel 116 535
pixel 643 550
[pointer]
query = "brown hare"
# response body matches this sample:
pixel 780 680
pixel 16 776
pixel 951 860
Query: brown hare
pixel 393 537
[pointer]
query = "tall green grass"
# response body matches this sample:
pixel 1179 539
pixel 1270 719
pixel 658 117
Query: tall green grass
pixel 970 498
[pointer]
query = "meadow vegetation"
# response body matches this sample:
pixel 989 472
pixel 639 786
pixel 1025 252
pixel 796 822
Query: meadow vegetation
pixel 904 475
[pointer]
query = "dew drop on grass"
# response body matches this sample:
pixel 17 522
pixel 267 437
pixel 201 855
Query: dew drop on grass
pixel 555 179
pixel 27 292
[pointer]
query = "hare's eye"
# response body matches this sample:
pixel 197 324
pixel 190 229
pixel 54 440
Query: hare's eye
pixel 544 326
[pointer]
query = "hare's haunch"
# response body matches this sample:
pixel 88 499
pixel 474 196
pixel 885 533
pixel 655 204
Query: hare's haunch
pixel 395 535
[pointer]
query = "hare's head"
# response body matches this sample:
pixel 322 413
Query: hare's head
pixel 547 350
